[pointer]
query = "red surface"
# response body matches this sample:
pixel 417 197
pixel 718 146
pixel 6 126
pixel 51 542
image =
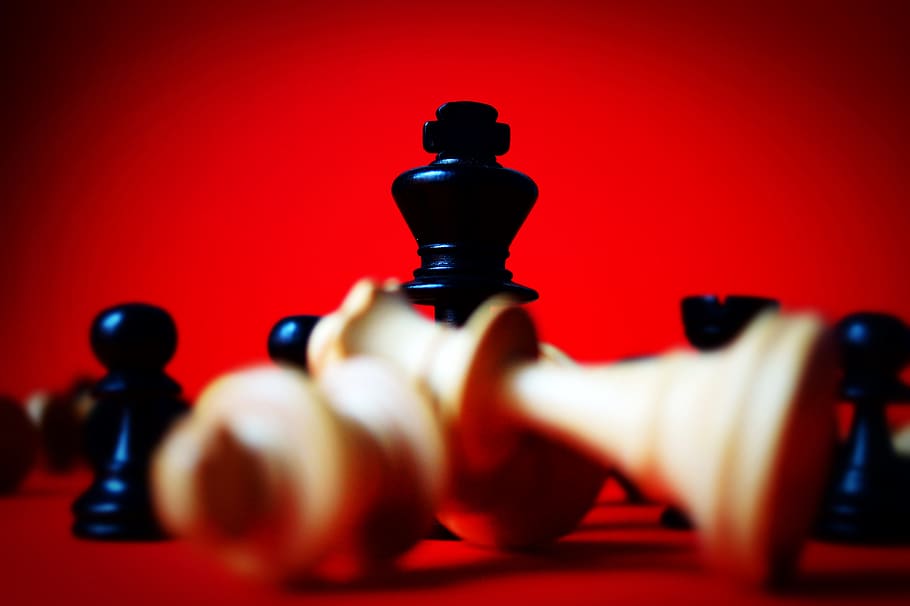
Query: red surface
pixel 619 556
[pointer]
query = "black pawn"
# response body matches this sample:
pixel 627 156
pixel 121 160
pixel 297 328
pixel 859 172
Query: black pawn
pixel 464 210
pixel 288 340
pixel 711 324
pixel 868 497
pixel 137 402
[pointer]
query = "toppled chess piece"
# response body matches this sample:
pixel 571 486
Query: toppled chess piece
pixel 709 325
pixel 285 479
pixel 868 498
pixel 740 438
pixel 137 402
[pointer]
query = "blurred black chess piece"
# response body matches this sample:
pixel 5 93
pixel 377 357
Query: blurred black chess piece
pixel 289 337
pixel 136 404
pixel 464 210
pixel 711 324
pixel 868 496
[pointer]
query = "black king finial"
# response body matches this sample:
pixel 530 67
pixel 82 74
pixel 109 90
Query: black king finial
pixel 464 209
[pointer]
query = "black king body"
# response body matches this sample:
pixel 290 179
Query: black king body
pixel 464 209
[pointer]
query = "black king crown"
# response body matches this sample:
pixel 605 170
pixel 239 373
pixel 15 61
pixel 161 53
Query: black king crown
pixel 464 209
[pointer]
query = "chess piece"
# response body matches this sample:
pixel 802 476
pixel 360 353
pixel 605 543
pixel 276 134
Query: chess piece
pixel 284 479
pixel 288 339
pixel 464 210
pixel 740 438
pixel 137 402
pixel 868 498
pixel 18 445
pixel 709 325
pixel 61 418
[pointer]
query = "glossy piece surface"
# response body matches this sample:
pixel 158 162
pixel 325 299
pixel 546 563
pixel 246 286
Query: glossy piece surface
pixel 464 210
pixel 136 404
pixel 289 338
pixel 868 498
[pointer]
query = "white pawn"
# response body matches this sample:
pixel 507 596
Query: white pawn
pixel 285 479
pixel 740 438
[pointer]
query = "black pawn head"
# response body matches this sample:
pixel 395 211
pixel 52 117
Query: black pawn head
pixel 134 336
pixel 289 338
pixel 875 347
pixel 711 323
pixel 466 130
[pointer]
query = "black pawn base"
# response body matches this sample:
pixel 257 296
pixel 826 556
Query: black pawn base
pixel 868 501
pixel 106 513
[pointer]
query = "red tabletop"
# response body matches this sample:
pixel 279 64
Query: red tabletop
pixel 620 555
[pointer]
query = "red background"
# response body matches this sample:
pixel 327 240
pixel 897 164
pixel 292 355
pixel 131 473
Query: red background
pixel 232 163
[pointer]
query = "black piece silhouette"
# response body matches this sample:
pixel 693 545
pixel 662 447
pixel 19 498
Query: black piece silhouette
pixel 464 210
pixel 868 496
pixel 137 402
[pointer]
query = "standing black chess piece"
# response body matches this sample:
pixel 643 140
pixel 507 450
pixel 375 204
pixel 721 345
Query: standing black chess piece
pixel 288 340
pixel 711 324
pixel 464 210
pixel 868 497
pixel 137 402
